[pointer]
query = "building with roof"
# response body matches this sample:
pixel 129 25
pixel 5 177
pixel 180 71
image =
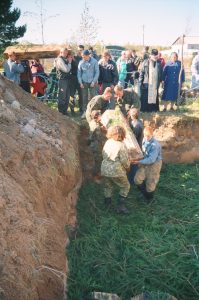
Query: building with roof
pixel 190 47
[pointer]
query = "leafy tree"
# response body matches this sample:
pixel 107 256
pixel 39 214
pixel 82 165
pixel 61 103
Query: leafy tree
pixel 9 33
pixel 88 30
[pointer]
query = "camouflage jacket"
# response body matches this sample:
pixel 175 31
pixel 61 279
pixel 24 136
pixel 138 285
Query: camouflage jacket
pixel 129 99
pixel 115 159
pixel 98 103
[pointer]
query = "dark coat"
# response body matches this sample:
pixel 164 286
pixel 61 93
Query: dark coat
pixel 144 73
pixel 108 72
pixel 144 80
pixel 171 75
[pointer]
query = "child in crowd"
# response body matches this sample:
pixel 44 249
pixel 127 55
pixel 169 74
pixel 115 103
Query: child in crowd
pixel 137 127
pixel 136 124
pixel 114 167
pixel 148 173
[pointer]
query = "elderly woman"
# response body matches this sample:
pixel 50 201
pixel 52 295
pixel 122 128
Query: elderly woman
pixel 173 77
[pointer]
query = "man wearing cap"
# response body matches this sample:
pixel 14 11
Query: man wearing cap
pixel 13 68
pixel 87 74
pixel 149 79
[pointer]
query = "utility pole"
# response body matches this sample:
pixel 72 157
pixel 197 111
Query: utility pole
pixel 42 21
pixel 143 28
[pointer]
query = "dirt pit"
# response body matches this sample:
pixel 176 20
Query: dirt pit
pixel 179 137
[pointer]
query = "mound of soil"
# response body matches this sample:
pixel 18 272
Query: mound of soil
pixel 39 182
pixel 179 137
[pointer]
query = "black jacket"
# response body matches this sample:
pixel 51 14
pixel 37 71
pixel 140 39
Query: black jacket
pixel 144 73
pixel 108 72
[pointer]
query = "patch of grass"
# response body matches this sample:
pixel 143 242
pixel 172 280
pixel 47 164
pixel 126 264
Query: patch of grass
pixel 191 108
pixel 155 248
pixel 52 104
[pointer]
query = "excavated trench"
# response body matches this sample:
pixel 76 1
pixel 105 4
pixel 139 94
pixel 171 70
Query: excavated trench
pixel 43 159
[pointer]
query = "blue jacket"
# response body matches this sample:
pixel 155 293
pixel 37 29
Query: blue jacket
pixel 88 71
pixel 171 75
pixel 152 152
pixel 13 70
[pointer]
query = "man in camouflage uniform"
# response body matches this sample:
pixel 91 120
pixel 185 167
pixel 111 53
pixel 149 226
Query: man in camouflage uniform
pixel 148 173
pixel 100 103
pixel 95 108
pixel 114 167
pixel 126 98
pixel 96 141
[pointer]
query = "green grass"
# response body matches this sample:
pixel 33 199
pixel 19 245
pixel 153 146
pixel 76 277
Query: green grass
pixel 154 249
pixel 52 104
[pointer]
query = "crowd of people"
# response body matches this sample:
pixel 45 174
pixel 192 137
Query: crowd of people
pixel 26 74
pixel 88 75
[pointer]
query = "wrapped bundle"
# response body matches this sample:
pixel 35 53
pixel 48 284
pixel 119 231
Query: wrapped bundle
pixel 115 117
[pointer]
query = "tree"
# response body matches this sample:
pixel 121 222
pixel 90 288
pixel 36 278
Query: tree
pixel 41 17
pixel 88 30
pixel 9 33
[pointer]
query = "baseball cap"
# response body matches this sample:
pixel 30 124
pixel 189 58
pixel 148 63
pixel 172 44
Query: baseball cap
pixel 86 52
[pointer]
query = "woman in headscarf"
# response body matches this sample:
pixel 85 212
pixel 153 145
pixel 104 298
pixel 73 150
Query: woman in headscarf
pixel 173 77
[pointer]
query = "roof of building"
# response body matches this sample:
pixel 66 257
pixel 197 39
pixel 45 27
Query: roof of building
pixel 187 40
pixel 34 51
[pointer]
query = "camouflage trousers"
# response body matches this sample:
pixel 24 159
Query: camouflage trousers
pixel 121 182
pixel 150 174
pixel 96 148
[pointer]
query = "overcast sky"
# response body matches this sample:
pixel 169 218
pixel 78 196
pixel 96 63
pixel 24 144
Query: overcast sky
pixel 120 21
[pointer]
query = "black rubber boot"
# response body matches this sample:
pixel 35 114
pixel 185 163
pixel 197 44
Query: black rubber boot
pixel 107 201
pixel 142 188
pixel 121 209
pixel 72 106
pixel 149 197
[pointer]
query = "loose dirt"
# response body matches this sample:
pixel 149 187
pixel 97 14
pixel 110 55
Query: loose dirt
pixel 40 175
